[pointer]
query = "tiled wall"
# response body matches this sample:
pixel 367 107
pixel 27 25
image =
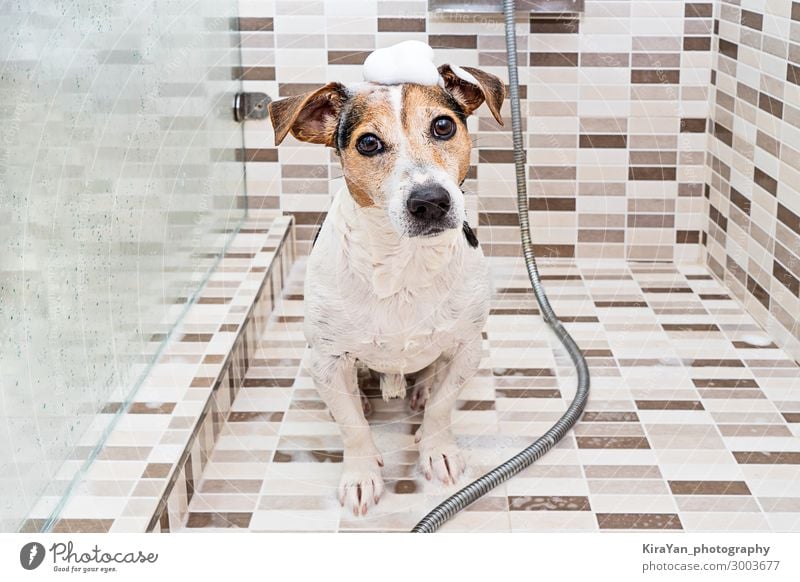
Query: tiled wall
pixel 753 234
pixel 616 104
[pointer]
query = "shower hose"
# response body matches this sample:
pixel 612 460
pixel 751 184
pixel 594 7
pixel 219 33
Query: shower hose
pixel 480 487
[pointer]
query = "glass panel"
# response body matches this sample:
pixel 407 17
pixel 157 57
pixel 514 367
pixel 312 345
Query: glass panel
pixel 119 188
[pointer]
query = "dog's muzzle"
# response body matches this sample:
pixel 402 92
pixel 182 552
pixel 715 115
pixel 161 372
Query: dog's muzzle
pixel 429 209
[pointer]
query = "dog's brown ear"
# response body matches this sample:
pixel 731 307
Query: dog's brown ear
pixel 469 94
pixel 310 117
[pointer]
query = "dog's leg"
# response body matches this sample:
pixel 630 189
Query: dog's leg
pixel 361 484
pixel 421 391
pixel 439 454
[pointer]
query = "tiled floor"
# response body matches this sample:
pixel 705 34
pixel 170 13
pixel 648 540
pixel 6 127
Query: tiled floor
pixel 688 426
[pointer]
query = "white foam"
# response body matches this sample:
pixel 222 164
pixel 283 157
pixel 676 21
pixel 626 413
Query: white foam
pixel 757 339
pixel 406 62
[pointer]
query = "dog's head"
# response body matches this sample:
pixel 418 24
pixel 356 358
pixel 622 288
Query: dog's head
pixel 403 148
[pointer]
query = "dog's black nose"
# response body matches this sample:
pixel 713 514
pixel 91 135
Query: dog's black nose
pixel 429 202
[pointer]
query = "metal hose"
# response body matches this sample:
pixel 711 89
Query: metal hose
pixel 480 487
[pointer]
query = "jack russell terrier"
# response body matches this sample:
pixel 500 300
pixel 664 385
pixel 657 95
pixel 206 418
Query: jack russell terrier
pixel 396 280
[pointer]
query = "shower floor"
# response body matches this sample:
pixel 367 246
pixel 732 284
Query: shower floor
pixel 689 426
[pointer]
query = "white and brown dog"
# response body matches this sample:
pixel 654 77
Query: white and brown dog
pixel 396 279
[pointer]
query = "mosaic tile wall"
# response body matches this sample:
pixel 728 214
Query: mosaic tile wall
pixel 753 236
pixel 616 102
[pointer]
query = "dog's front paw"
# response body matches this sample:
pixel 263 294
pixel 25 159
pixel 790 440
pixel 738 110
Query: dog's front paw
pixel 440 457
pixel 361 485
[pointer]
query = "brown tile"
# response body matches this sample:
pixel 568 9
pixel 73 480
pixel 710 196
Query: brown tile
pixel 496 156
pixel 793 73
pixel 294 89
pixel 401 25
pixel 693 125
pixel 476 405
pixel 612 442
pixel 230 485
pixel 715 363
pixel 620 304
pixel 257 155
pixel 214 300
pixel 550 503
pixel 789 218
pixel 151 408
pixel 651 220
pixel 513 311
pixel 254 73
pixel 498 219
pixel 198 519
pixel 255 416
pixel 528 393
pixel 347 57
pixel 709 487
pixel 728 48
pixel 698 10
pixel 724 383
pixel 202 382
pixel 610 417
pixel 552 204
pixel 256 24
pixel 687 237
pixel 791 417
pixel 652 173
pixel 453 41
pixel 250 382
pixel 553 59
pixel 603 141
pixel 785 278
pixel 562 25
pixel 703 327
pixel 196 337
pixel 669 405
pixel 767 458
pixel 552 172
pixel 157 471
pixel 752 20
pixel 83 525
pixel 405 486
pixel 639 521
pixel 697 43
pixel 758 292
pixel 526 372
pixel 724 134
pixel 771 105
pixel 665 77
pixel 666 290
pixel 796 11
pixel 604 59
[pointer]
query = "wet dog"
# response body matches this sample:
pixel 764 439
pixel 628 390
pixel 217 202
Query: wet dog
pixel 396 280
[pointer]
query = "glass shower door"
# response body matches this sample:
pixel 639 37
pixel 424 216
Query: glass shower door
pixel 120 187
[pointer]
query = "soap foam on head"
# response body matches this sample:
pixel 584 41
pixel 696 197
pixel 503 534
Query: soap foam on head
pixel 407 62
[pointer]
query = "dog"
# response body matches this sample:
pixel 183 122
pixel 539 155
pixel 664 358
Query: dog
pixel 396 280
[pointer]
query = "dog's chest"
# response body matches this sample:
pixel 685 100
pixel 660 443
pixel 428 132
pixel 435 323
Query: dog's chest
pixel 403 339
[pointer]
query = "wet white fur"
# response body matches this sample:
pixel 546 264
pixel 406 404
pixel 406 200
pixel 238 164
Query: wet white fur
pixel 399 305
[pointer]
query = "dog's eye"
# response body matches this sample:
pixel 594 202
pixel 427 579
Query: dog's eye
pixel 443 128
pixel 369 145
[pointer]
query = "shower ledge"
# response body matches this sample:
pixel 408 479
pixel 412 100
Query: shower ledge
pixel 142 478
